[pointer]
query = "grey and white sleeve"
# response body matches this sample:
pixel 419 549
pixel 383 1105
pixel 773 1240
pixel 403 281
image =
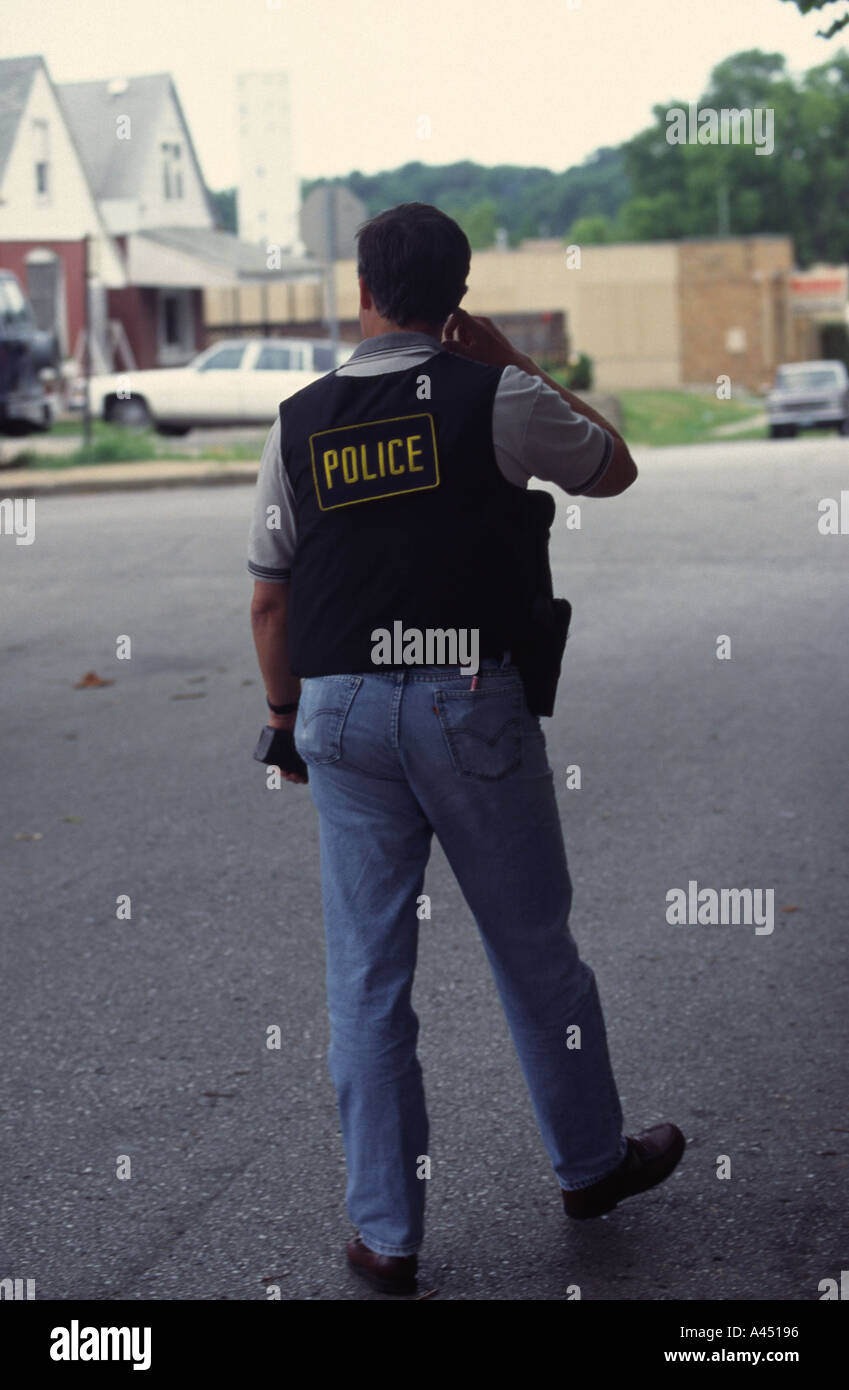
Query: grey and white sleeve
pixel 537 434
pixel 273 533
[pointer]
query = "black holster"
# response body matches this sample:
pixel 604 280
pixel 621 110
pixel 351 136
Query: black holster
pixel 540 658
pixel 538 649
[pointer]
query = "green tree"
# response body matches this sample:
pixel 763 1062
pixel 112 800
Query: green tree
pixel 529 202
pixel 838 23
pixel 592 230
pixel 224 203
pixel 801 188
pixel 657 218
pixel 649 189
pixel 478 222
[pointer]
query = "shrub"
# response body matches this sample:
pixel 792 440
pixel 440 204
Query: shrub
pixel 579 373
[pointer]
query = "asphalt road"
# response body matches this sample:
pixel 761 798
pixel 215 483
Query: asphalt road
pixel 146 1037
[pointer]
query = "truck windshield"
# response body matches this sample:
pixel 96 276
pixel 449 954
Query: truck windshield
pixel 815 379
pixel 13 306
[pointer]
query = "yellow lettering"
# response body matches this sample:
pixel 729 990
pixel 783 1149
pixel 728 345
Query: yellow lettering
pixel 392 468
pixel 413 467
pixel 381 463
pixel 330 454
pixel 349 449
pixel 368 477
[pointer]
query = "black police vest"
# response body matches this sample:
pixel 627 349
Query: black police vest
pixel 403 515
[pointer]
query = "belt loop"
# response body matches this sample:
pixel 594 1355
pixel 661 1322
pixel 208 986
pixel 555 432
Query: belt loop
pixel 507 658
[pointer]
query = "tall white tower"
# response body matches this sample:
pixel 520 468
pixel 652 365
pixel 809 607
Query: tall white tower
pixel 268 194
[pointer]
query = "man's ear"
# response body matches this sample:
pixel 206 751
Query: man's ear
pixel 366 301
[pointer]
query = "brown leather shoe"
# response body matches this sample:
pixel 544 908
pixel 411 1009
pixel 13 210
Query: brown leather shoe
pixel 386 1273
pixel 651 1157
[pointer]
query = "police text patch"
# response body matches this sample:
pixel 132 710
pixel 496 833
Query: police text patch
pixel 381 458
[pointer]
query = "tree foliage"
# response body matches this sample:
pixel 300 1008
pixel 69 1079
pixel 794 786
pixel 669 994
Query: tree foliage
pixel 800 189
pixel 839 22
pixel 649 189
pixel 224 203
pixel 592 230
pixel 527 202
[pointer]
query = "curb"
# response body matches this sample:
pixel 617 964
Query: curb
pixel 119 477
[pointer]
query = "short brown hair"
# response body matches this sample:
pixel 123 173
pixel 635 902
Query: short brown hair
pixel 415 260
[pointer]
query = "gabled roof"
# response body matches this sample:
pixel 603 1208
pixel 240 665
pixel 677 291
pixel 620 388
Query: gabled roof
pixel 115 168
pixel 228 252
pixel 16 76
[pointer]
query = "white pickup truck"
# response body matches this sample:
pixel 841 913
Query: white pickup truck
pixel 807 396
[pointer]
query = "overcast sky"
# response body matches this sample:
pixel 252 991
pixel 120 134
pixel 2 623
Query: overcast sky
pixel 530 82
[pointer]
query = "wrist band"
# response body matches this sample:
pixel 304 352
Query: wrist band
pixel 282 709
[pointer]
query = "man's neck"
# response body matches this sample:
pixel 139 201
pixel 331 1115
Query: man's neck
pixel 378 330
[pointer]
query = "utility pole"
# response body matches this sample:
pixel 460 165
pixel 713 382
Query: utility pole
pixel 86 347
pixel 330 227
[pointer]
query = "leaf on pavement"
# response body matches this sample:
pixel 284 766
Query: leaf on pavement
pixel 90 680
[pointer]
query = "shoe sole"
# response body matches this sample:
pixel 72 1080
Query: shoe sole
pixel 383 1285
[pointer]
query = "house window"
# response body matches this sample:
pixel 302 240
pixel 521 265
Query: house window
pixel 13 307
pixel 175 331
pixel 41 158
pixel 172 169
pixel 45 290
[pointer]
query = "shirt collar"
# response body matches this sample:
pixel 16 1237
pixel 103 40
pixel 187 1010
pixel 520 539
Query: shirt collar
pixel 390 342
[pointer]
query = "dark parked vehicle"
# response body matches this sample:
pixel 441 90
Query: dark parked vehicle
pixel 24 352
pixel 808 396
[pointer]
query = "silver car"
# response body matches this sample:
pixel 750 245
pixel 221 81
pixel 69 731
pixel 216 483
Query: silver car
pixel 808 396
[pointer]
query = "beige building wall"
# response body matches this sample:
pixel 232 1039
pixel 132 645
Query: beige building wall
pixel 734 309
pixel 627 314
pixel 620 302
pixel 500 282
pixel 650 315
pixel 296 301
pixel 347 290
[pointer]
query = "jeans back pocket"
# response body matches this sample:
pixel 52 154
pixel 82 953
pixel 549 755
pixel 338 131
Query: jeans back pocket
pixel 323 709
pixel 483 728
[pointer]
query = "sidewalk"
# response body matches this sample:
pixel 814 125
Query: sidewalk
pixel 753 422
pixel 112 477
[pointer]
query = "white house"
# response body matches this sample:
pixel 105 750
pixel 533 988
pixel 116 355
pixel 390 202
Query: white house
pixel 113 161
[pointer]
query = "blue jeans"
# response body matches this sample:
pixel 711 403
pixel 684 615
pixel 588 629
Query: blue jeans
pixel 393 757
